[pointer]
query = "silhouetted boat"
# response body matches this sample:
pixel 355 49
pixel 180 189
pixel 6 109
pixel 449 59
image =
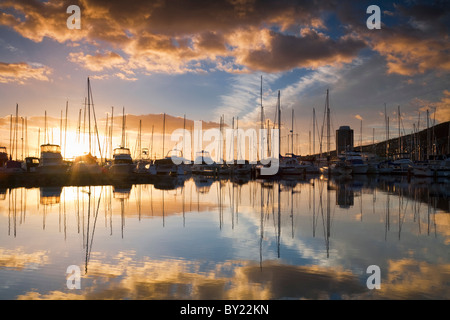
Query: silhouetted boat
pixel 290 166
pixel 31 163
pixel 355 161
pixel 241 168
pixel 87 165
pixel 170 165
pixel 51 161
pixel 122 162
pixel 402 166
pixel 3 157
pixel 204 164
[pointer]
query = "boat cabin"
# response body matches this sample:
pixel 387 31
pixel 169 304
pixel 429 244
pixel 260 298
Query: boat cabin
pixel 122 155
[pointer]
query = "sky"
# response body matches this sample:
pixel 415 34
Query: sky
pixel 204 59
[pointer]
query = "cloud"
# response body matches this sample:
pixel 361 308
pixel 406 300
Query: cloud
pixel 310 50
pixel 409 279
pixel 409 53
pixel 439 110
pixel 415 43
pixel 173 36
pixel 21 72
pixel 98 61
pixel 156 279
pixel 36 20
pixel 236 35
pixel 18 259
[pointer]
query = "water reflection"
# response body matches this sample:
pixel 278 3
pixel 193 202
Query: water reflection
pixel 204 238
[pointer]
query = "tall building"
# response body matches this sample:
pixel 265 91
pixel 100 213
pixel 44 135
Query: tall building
pixel 344 139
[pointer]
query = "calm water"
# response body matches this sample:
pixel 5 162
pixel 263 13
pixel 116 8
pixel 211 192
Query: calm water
pixel 207 239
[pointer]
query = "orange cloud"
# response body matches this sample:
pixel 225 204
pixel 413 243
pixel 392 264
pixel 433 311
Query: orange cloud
pixel 98 61
pixel 409 54
pixel 42 19
pixel 170 36
pixel 180 279
pixel 233 36
pixel 412 279
pixel 22 72
pixel 439 110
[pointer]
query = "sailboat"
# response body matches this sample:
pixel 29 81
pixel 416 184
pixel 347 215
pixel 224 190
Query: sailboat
pixel 87 164
pixel 51 161
pixel 122 161
pixel 167 166
pixel 385 167
pixel 14 166
pixel 204 164
pixel 326 167
pixel 355 161
pixel 290 164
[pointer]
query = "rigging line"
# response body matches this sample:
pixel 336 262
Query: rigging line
pixel 96 128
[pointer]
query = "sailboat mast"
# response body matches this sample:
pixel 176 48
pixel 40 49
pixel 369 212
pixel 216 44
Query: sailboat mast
pixel 65 129
pixel 232 144
pixel 27 151
pixel 11 146
pixel 61 128
pixel 418 146
pixel 386 131
pixel 360 137
pixel 262 108
pixel 89 115
pixel 184 136
pixel 164 134
pixel 111 132
pixel 16 128
pixel 292 133
pixel 38 153
pixel 95 120
pixel 434 145
pixel 279 123
pixel 328 124
pixel 262 121
pixel 428 135
pixel 310 152
pixel 22 152
pixel 399 133
pixel 314 132
pixel 46 129
pixel 268 138
pixel 106 137
pixel 123 127
pixel 388 143
pixel 238 151
pixel 151 146
pixel 140 139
